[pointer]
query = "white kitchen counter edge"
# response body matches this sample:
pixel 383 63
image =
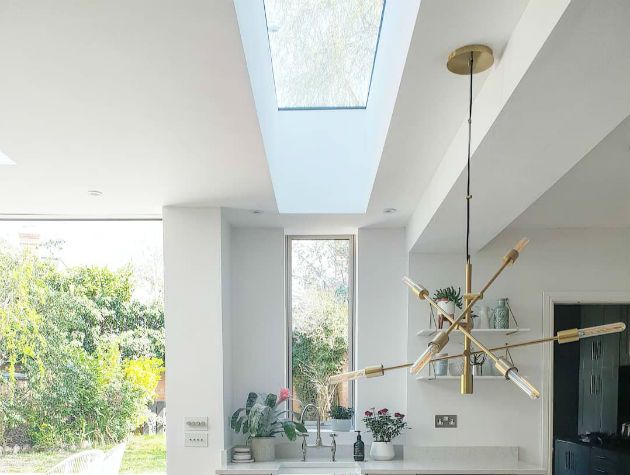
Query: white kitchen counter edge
pixel 402 467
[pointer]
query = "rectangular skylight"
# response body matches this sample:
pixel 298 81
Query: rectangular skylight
pixel 323 51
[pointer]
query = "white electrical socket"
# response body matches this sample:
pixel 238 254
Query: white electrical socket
pixel 196 423
pixel 195 439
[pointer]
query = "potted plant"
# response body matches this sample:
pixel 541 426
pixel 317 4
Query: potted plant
pixel 341 418
pixel 447 299
pixel 384 427
pixel 262 419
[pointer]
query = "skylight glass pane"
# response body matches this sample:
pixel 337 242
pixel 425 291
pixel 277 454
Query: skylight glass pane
pixel 323 51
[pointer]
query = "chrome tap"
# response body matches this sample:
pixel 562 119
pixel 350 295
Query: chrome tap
pixel 318 437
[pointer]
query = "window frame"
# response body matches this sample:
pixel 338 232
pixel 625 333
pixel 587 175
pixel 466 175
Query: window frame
pixel 288 276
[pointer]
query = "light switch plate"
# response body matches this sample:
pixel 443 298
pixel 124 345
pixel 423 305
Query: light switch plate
pixel 444 421
pixel 195 439
pixel 196 423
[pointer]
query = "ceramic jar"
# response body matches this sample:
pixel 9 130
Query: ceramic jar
pixel 501 314
pixel 484 317
pixel 441 366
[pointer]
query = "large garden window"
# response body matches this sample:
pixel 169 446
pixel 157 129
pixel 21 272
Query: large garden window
pixel 81 343
pixel 320 295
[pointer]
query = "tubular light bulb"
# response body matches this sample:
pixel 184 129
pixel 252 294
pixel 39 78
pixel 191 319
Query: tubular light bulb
pixel 523 384
pixel 415 288
pixel 349 376
pixel 369 372
pixel 424 359
pixel 601 330
pixel 521 245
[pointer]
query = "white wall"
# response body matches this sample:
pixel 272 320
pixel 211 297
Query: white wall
pixel 381 318
pixel 258 321
pixel 219 349
pixel 258 348
pixel 555 260
pixel 226 319
pixel 194 346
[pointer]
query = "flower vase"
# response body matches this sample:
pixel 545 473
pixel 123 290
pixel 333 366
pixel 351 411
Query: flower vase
pixel 501 315
pixel 484 317
pixel 382 451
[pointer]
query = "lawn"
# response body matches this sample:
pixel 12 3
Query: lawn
pixel 144 454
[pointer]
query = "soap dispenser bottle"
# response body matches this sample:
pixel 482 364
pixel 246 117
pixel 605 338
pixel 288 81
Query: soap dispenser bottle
pixel 359 448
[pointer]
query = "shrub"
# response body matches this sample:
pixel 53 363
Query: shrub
pixel 91 355
pixel 340 412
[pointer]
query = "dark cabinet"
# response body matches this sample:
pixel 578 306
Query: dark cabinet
pixel 604 462
pixel 571 458
pixel 599 371
pixel 574 458
pixel 624 340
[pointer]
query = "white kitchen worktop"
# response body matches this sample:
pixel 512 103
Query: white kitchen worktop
pixel 402 467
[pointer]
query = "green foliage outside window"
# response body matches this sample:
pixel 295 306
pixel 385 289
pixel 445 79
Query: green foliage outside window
pixel 79 357
pixel 320 317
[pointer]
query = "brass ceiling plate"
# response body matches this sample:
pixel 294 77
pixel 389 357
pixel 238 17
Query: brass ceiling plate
pixel 458 60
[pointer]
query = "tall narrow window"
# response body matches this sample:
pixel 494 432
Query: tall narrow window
pixel 320 319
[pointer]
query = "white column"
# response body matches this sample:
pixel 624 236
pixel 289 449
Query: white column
pixel 194 339
pixel 381 317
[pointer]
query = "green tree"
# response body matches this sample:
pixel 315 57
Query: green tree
pixel 92 355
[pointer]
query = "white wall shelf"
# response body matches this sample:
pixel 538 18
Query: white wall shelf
pixel 430 332
pixel 427 378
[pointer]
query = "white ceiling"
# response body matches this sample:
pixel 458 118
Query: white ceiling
pixel 560 108
pixel 594 193
pixel 151 103
pixel 432 103
pixel 148 101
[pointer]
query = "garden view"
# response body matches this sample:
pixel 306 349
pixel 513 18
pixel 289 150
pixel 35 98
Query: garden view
pixel 81 348
pixel 321 319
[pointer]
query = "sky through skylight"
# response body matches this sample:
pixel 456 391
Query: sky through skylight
pixel 323 51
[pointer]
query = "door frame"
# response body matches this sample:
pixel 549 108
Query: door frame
pixel 549 300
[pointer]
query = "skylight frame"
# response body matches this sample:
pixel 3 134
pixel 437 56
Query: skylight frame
pixel 316 108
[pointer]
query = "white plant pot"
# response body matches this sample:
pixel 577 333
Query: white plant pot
pixel 382 451
pixel 263 449
pixel 341 425
pixel 447 306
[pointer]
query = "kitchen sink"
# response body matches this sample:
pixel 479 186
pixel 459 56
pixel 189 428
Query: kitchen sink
pixel 315 467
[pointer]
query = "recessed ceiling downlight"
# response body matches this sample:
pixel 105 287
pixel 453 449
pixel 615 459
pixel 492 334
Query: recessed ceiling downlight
pixel 95 192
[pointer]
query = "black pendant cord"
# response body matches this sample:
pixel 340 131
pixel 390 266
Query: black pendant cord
pixel 468 195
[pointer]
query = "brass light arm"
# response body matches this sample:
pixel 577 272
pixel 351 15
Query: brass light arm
pixel 423 293
pixel 508 259
pixel 564 336
pixel 479 345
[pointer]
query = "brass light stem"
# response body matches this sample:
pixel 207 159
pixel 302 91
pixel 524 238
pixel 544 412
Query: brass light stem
pixel 477 343
pixel 466 379
pixel 469 305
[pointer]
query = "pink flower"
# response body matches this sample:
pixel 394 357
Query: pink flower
pixel 382 412
pixel 368 414
pixel 283 395
pixel 398 415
